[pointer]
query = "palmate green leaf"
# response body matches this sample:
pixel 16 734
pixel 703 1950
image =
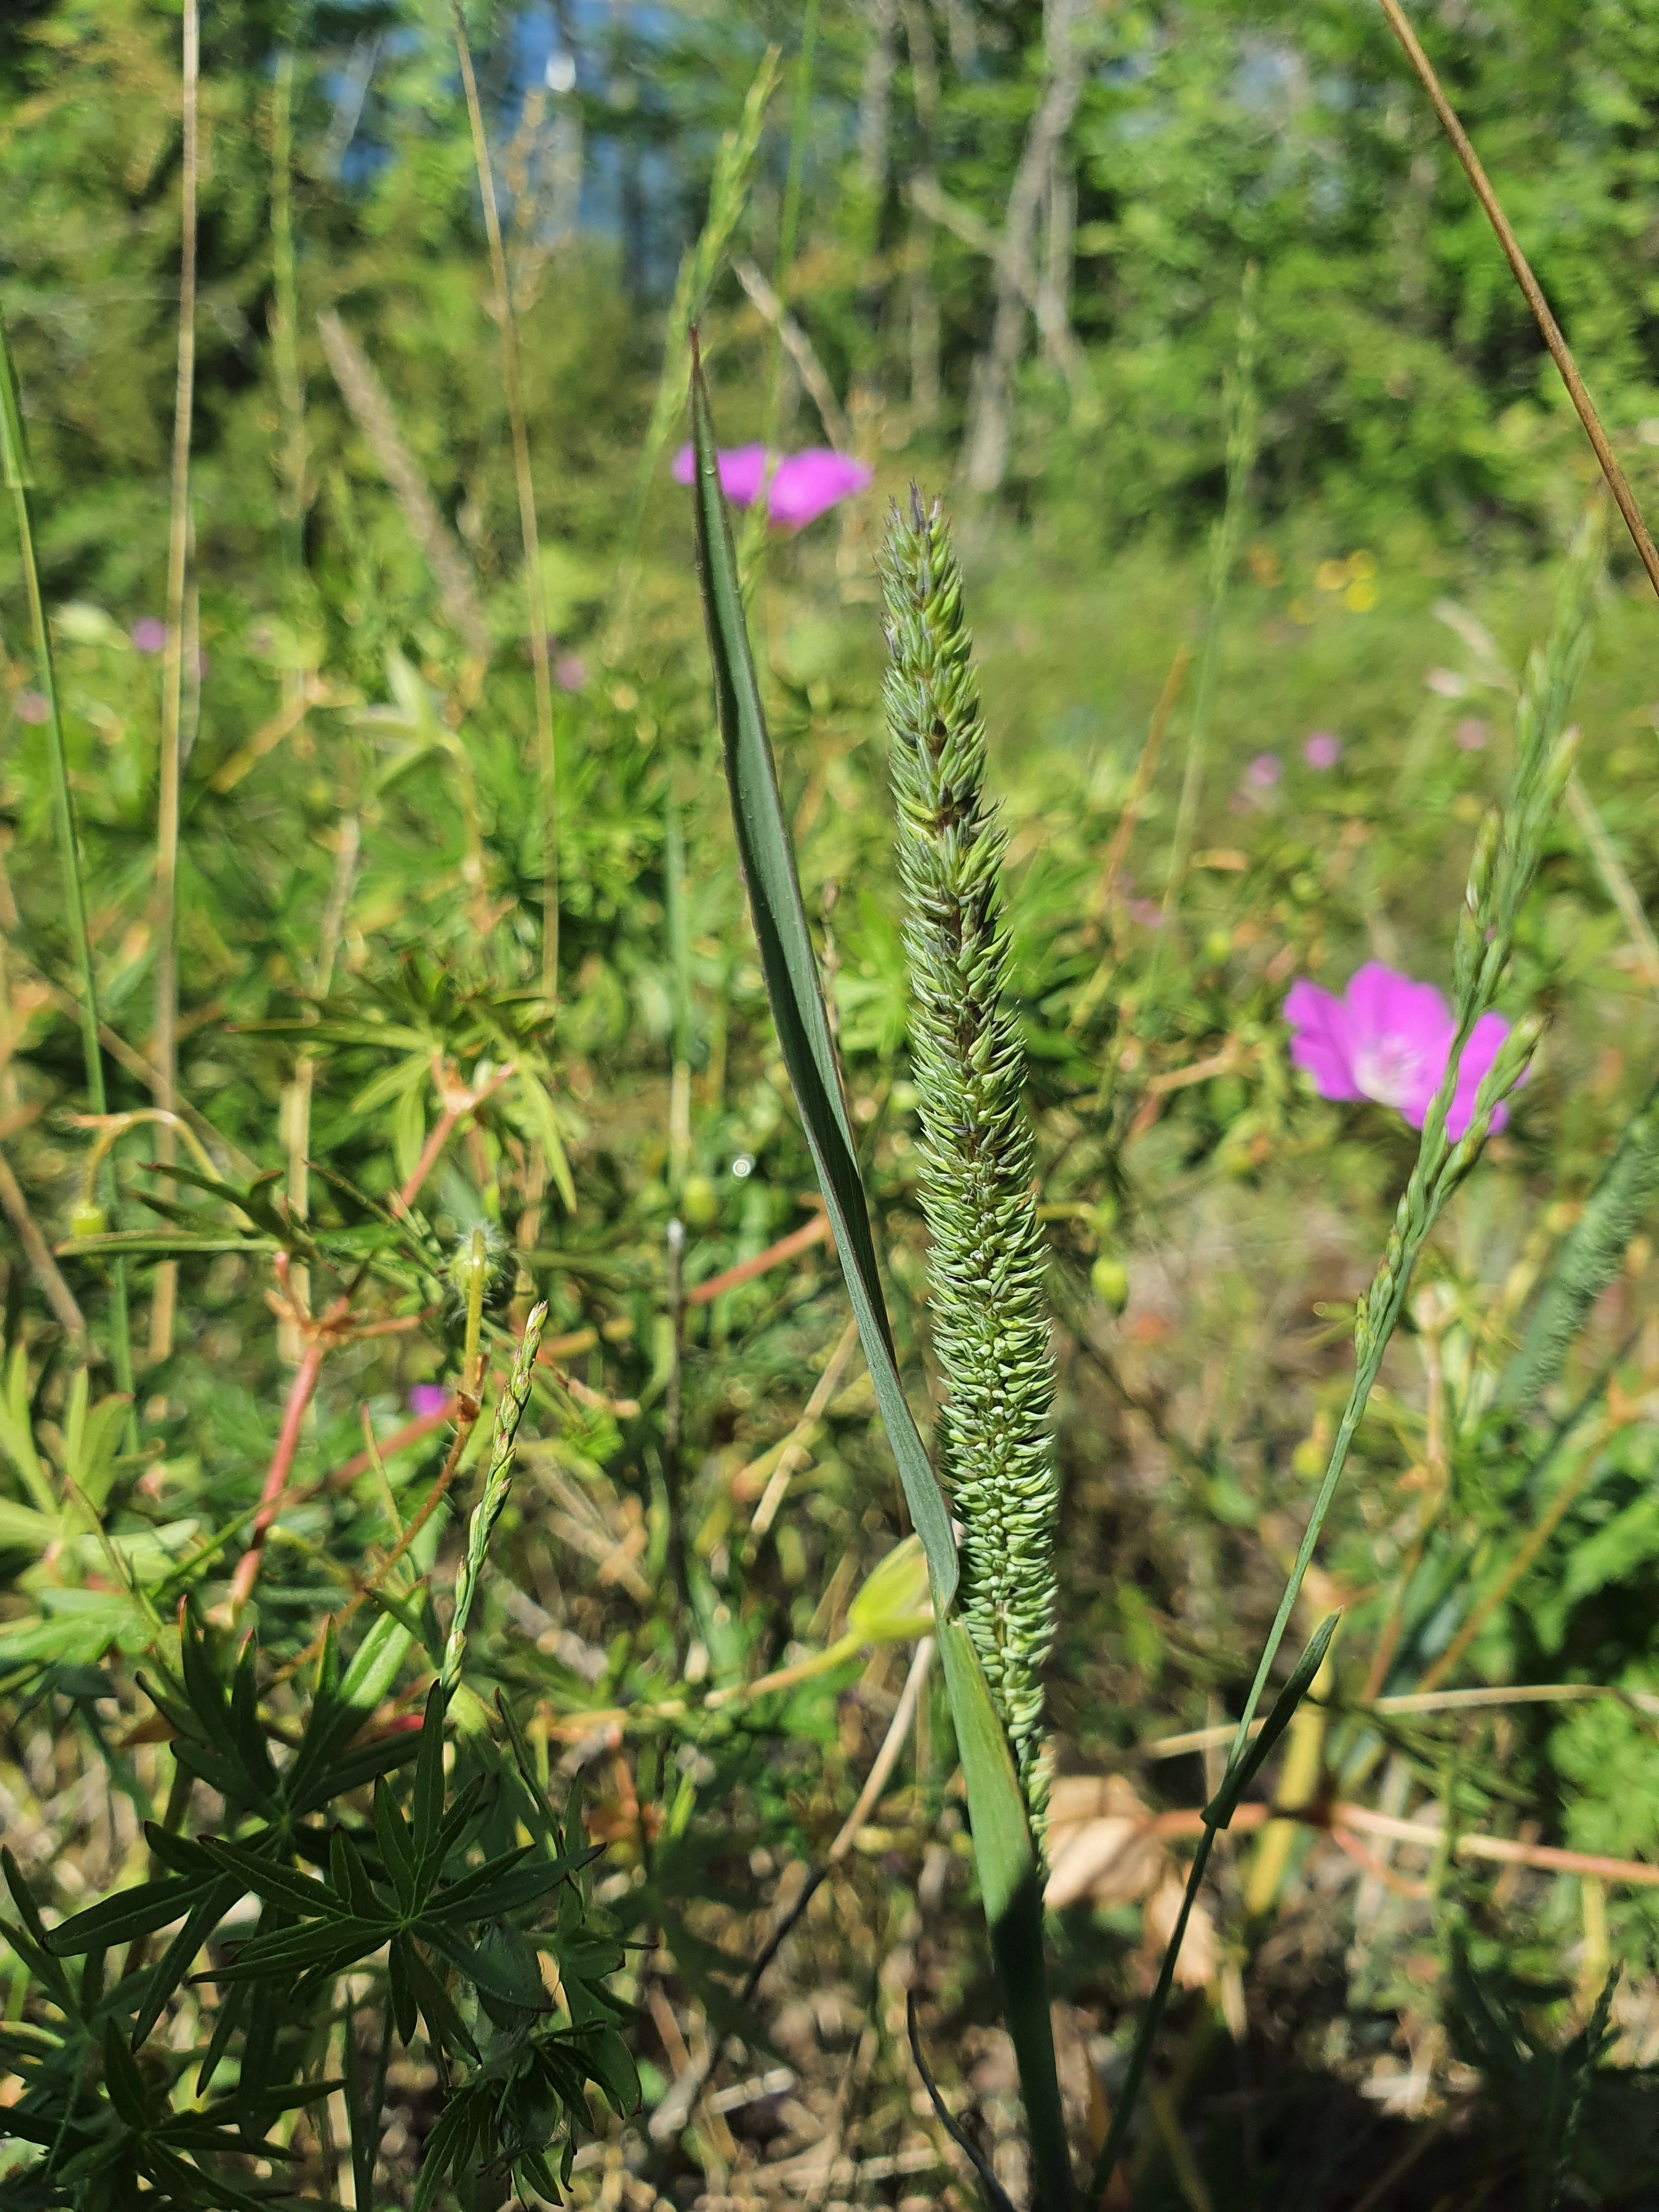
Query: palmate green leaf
pixel 129 1914
pixel 280 1885
pixel 794 990
pixel 508 1892
pixel 327 1947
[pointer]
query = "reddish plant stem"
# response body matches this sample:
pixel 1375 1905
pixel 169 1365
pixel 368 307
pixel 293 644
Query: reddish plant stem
pixel 799 1240
pixel 281 1460
pixel 1531 292
pixel 443 1130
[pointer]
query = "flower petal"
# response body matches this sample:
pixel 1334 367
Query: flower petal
pixel 1478 1054
pixel 743 472
pixel 1319 1045
pixel 808 484
pixel 1383 1003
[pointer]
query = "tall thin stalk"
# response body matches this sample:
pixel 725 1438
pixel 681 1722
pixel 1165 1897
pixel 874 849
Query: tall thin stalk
pixel 173 667
pixel 1243 417
pixel 14 464
pixel 783 267
pixel 535 592
pixel 291 453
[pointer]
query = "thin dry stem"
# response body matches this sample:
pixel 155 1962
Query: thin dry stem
pixel 1550 330
pixel 36 1251
pixel 172 662
pixel 535 595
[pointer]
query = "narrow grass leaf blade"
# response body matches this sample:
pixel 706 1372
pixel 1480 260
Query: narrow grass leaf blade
pixel 1012 1896
pixel 1247 1764
pixel 792 988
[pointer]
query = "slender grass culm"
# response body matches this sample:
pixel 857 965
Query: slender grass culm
pixel 987 1266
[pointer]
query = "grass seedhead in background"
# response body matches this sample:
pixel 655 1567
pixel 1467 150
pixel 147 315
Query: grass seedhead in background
pixel 986 1265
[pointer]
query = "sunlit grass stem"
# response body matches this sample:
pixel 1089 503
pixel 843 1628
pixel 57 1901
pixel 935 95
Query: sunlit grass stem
pixel 13 461
pixel 534 587
pixel 172 668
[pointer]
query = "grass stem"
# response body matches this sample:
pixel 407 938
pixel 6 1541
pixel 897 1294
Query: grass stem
pixel 173 669
pixel 14 465
pixel 1559 352
pixel 535 591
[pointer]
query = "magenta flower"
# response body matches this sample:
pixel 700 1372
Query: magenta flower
pixel 803 487
pixel 31 707
pixel 570 672
pixel 427 1398
pixel 149 634
pixel 807 485
pixel 1263 772
pixel 1388 1038
pixel 1321 750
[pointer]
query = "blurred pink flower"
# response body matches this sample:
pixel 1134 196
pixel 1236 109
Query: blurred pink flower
pixel 427 1398
pixel 803 485
pixel 1471 735
pixel 31 707
pixel 807 485
pixel 1387 1038
pixel 1321 750
pixel 570 672
pixel 1263 772
pixel 149 634
pixel 1147 913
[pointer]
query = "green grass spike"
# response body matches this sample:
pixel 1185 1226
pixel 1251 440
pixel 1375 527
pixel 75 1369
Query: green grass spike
pixel 990 1315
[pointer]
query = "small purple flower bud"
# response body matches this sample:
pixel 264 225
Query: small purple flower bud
pixel 570 672
pixel 1471 735
pixel 427 1398
pixel 149 634
pixel 1321 750
pixel 31 707
pixel 1264 772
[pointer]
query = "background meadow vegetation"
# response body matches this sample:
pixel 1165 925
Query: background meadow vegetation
pixel 1262 484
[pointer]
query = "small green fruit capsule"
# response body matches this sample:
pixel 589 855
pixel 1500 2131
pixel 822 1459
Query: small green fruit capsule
pixel 1305 888
pixel 700 1202
pixel 87 1220
pixel 1217 946
pixel 1108 1278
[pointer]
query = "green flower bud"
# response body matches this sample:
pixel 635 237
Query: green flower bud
pixel 894 1607
pixel 87 1220
pixel 1108 1278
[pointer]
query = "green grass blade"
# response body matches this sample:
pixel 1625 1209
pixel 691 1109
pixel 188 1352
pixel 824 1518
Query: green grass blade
pixel 792 988
pixel 14 467
pixel 1011 1887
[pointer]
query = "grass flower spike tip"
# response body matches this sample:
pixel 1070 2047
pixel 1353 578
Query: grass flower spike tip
pixel 1387 1038
pixel 987 1264
pixel 803 485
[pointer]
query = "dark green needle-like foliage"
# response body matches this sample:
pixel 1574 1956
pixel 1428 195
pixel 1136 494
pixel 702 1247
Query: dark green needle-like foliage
pixel 989 1313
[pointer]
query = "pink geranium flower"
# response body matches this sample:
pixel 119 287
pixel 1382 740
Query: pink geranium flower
pixel 803 487
pixel 427 1399
pixel 1388 1038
